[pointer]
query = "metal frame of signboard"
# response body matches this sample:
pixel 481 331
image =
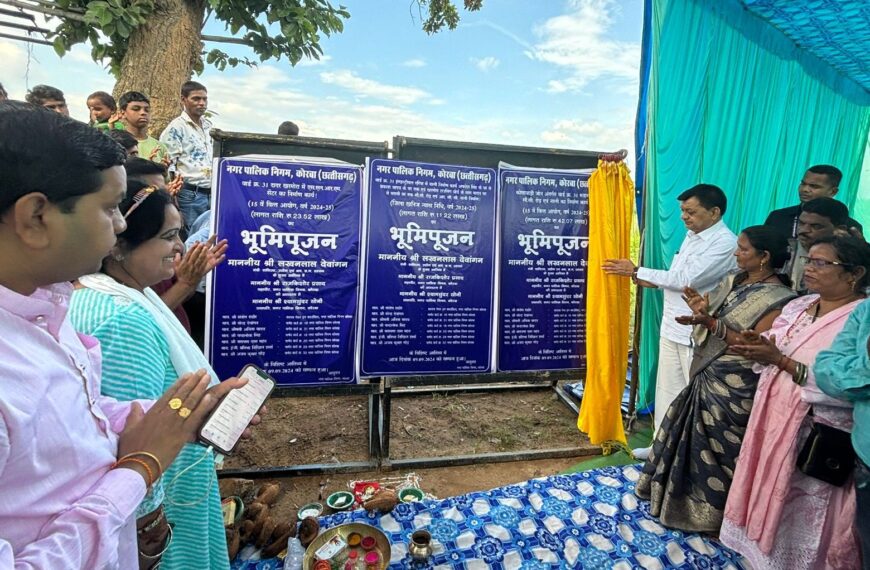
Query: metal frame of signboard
pixel 409 386
pixel 229 144
pixel 381 391
pixel 371 389
pixel 488 156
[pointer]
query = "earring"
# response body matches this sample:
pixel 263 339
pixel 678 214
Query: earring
pixel 762 265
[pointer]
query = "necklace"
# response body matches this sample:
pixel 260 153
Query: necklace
pixel 815 314
pixel 740 288
pixel 136 284
pixel 759 280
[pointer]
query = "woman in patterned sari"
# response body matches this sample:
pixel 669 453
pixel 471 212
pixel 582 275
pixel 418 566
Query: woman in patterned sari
pixel 688 473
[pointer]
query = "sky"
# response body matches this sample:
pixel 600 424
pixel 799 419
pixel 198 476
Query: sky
pixel 552 73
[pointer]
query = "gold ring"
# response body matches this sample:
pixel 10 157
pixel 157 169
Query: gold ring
pixel 184 412
pixel 175 403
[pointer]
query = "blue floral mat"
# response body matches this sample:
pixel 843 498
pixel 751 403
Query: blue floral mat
pixel 584 520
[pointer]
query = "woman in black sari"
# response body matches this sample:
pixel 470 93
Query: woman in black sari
pixel 689 470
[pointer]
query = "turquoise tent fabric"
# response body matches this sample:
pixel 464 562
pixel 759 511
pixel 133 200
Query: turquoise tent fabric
pixel 835 31
pixel 862 202
pixel 734 102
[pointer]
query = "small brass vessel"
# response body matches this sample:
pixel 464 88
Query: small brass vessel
pixel 420 546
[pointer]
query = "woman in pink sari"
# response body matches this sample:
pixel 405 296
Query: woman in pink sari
pixel 776 516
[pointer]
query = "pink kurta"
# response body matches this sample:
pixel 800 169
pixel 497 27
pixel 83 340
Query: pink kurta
pixel 62 506
pixel 777 517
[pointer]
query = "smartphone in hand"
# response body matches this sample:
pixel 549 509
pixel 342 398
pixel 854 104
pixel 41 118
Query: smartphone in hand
pixel 228 420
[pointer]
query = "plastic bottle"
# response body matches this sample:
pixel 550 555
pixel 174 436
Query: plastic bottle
pixel 295 553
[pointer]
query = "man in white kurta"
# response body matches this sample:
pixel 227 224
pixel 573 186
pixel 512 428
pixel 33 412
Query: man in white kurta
pixel 704 258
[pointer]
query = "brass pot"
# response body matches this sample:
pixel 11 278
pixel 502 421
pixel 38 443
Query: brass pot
pixel 420 546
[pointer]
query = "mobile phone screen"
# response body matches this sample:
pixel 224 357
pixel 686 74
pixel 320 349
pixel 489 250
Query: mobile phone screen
pixel 227 422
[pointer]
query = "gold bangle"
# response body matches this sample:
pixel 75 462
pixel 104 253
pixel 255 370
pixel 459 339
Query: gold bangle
pixel 150 456
pixel 140 462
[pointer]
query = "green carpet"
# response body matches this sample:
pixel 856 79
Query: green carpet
pixel 641 437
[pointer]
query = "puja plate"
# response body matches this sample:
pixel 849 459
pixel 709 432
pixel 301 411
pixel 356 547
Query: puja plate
pixel 382 543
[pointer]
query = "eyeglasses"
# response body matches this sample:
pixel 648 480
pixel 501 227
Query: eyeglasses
pixel 140 197
pixel 818 262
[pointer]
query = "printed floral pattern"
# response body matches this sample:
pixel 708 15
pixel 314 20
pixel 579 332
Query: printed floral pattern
pixel 489 549
pixel 513 527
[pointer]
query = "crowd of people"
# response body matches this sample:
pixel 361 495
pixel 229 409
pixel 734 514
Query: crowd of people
pixel 184 146
pixel 763 367
pixel 105 389
pixel 762 376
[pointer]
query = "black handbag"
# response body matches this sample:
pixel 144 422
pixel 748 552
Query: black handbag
pixel 827 455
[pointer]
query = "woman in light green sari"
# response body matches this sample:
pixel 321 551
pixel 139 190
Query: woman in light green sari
pixel 689 471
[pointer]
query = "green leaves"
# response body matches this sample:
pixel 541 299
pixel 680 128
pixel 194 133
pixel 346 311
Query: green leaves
pixel 444 13
pixel 221 60
pixel 59 47
pixel 279 28
pixel 114 17
pixel 105 24
pixel 272 28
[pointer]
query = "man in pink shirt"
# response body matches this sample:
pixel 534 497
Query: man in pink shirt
pixel 74 465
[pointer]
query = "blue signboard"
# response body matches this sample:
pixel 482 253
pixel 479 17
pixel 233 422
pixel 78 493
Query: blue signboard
pixel 285 298
pixel 428 278
pixel 542 285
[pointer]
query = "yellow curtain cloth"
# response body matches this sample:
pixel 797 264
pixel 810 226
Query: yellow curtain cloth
pixel 611 200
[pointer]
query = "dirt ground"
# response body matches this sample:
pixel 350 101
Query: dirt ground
pixel 438 425
pixel 308 430
pixel 440 482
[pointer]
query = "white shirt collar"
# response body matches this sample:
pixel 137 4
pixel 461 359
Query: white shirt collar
pixel 204 122
pixel 709 232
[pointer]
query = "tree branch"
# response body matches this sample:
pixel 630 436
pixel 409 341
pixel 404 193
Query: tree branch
pixel 30 29
pixel 56 12
pixel 18 14
pixel 225 40
pixel 26 39
pixel 53 5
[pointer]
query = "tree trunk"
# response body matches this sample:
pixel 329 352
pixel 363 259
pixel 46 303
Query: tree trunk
pixel 162 55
